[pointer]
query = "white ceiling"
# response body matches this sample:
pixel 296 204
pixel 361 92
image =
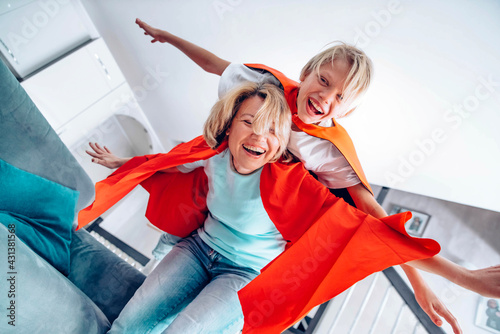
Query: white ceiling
pixel 431 59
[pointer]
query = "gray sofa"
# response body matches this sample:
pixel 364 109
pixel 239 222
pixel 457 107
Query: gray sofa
pixel 58 280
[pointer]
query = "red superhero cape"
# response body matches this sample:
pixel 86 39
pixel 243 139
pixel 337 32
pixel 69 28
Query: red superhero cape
pixel 331 245
pixel 336 134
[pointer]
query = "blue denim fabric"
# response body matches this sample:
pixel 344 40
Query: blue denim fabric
pixel 192 290
pixel 164 245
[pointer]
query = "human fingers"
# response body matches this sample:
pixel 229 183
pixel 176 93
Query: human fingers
pixel 92 154
pixel 94 147
pixel 446 314
pixel 433 315
pixel 107 150
pixel 100 162
pixel 100 148
pixel 143 26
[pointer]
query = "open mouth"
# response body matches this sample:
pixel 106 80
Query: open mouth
pixel 315 108
pixel 253 150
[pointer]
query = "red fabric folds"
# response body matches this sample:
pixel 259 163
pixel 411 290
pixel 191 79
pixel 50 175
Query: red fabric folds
pixel 188 207
pixel 331 245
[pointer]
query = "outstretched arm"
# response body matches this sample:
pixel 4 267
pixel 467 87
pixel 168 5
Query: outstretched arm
pixel 425 297
pixel 485 282
pixel 365 201
pixel 203 58
pixel 103 156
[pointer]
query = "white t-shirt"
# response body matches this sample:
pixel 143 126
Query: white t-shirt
pixel 318 155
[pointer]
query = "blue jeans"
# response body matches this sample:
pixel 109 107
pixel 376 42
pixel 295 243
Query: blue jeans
pixel 192 290
pixel 164 245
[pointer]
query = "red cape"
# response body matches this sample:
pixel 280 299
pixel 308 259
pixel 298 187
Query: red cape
pixel 335 134
pixel 331 245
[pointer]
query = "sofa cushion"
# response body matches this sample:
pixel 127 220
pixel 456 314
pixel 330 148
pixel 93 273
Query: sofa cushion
pixel 42 212
pixel 36 298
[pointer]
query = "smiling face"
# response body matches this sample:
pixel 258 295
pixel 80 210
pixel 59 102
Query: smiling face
pixel 249 150
pixel 320 96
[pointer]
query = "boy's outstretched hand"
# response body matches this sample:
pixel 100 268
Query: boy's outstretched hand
pixel 203 58
pixel 103 156
pixel 436 310
pixel 157 34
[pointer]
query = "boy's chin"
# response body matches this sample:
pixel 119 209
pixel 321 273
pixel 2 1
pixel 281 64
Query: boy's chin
pixel 311 120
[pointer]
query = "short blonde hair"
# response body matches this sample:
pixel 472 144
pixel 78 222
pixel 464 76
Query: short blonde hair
pixel 274 113
pixel 359 77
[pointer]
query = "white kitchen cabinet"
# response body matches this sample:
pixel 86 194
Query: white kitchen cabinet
pixel 69 87
pixel 34 33
pixel 85 122
pixel 106 63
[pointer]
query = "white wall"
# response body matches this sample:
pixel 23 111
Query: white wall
pixel 429 56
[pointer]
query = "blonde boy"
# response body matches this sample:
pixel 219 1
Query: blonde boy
pixel 331 86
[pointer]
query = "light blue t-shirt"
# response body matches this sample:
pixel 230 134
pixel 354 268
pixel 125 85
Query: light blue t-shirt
pixel 238 226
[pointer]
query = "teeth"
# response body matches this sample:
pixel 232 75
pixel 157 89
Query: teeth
pixel 318 108
pixel 254 149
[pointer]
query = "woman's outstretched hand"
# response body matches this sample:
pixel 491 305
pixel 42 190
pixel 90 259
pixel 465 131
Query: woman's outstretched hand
pixel 103 156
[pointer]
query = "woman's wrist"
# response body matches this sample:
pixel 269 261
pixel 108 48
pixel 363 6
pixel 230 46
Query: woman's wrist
pixel 120 162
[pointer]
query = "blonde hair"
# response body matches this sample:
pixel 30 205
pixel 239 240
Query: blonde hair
pixel 360 73
pixel 274 113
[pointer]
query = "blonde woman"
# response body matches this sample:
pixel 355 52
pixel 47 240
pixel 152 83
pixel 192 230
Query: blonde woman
pixel 194 288
pixel 259 217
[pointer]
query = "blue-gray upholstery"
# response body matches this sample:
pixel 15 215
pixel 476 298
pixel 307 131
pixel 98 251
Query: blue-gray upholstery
pixel 29 142
pixel 99 283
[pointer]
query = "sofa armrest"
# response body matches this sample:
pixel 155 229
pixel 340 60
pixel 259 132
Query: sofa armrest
pixel 29 142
